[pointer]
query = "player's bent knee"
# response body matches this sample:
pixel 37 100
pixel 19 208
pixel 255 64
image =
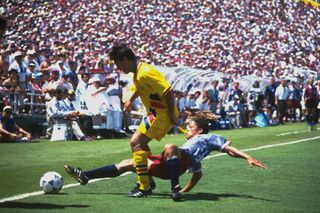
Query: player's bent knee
pixel 171 150
pixel 170 147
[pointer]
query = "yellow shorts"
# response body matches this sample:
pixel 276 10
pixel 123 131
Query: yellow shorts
pixel 156 127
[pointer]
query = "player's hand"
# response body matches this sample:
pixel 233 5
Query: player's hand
pixel 13 136
pixel 28 136
pixel 254 162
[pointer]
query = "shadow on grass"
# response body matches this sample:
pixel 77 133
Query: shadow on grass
pixel 192 196
pixel 212 196
pixel 21 205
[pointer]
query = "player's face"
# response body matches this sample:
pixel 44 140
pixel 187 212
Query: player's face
pixel 192 129
pixel 123 65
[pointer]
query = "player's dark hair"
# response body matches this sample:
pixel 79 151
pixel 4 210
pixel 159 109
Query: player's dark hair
pixel 120 51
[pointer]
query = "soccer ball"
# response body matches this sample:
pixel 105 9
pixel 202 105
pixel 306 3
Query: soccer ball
pixel 51 182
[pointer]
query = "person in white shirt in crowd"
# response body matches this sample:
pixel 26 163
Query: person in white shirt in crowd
pixel 64 82
pixel 20 66
pixel 233 109
pixel 281 96
pixel 32 68
pixel 114 116
pixel 112 104
pixel 62 112
pixel 31 57
pixel 49 90
pixel 85 117
pixel 82 89
pixel 125 95
pixel 92 100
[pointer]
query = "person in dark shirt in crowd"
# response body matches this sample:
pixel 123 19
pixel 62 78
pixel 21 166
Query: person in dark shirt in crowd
pixel 9 130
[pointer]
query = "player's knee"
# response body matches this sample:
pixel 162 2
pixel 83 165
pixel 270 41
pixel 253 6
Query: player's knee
pixel 170 150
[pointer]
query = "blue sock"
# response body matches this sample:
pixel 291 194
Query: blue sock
pixel 106 171
pixel 173 170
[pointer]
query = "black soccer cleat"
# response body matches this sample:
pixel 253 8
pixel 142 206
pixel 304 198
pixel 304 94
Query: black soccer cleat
pixel 136 188
pixel 175 193
pixel 140 193
pixel 77 174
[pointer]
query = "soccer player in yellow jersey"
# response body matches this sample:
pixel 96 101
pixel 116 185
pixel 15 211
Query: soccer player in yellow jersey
pixel 157 96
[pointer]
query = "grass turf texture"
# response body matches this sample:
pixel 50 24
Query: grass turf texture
pixel 290 185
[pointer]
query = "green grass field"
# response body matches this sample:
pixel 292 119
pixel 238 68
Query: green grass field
pixel 291 184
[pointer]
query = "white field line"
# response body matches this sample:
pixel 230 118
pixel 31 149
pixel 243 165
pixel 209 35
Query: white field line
pixel 295 132
pixel 26 195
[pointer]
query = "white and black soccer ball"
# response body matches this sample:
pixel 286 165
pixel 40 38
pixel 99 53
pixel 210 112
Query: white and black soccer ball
pixel 51 182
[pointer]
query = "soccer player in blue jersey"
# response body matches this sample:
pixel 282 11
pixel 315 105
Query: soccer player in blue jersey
pixel 199 144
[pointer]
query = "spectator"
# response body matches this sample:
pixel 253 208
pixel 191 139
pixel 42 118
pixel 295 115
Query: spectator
pixel 234 110
pixel 64 113
pixel 81 90
pixel 255 101
pixel 21 69
pixel 311 99
pixel 9 130
pixel 269 95
pixel 32 58
pixel 293 102
pixel 73 77
pixel 12 87
pixel 281 96
pixel 213 96
pixel 235 90
pixel 85 119
pixel 94 99
pixel 52 84
pixel 64 81
pixel 111 106
pixel 264 37
pixel 114 114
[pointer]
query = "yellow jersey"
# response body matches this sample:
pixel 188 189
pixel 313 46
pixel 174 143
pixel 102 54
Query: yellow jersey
pixel 151 86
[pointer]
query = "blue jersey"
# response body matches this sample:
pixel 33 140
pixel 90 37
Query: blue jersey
pixel 200 146
pixel 8 124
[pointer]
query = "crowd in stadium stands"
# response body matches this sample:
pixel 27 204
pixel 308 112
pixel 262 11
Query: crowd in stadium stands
pixel 64 45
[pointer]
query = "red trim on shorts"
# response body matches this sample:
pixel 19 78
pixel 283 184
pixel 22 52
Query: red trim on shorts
pixel 158 168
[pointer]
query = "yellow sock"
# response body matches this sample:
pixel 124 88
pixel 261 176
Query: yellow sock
pixel 141 164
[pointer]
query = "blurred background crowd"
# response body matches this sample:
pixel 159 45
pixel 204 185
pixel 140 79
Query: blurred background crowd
pixel 63 45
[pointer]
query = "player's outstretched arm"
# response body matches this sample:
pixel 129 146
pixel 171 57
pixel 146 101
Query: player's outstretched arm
pixel 192 182
pixel 234 152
